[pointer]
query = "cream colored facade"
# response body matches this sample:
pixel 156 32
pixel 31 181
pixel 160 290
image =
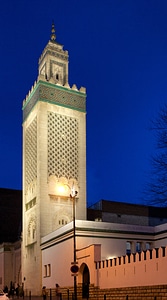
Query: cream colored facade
pixel 54 157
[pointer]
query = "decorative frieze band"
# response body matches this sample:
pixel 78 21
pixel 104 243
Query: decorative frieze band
pixel 54 94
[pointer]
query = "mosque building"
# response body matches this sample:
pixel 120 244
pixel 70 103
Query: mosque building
pixel 63 241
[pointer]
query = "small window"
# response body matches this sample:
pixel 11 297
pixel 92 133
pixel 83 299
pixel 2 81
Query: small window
pixel 47 270
pixel 128 248
pixel 148 246
pixel 138 247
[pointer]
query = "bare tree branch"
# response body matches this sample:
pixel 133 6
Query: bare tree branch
pixel 157 187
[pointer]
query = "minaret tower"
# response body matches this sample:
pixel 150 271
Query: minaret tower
pixel 54 156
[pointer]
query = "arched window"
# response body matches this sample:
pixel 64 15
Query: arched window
pixel 31 237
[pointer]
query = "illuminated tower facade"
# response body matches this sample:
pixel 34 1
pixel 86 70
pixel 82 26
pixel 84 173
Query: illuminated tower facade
pixel 54 157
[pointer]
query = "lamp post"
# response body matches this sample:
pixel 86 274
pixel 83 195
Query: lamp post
pixel 74 268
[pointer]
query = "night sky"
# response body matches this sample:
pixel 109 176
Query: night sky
pixel 118 51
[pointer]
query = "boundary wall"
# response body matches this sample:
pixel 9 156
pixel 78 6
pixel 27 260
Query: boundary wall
pixel 147 268
pixel 138 269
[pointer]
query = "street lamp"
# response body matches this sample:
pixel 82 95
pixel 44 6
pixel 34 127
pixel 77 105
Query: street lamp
pixel 61 188
pixel 74 268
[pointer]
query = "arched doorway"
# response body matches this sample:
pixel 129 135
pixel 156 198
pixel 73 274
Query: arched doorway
pixel 85 282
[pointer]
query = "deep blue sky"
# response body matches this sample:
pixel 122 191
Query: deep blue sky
pixel 118 51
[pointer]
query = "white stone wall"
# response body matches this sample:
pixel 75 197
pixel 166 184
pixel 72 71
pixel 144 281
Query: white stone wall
pixel 57 247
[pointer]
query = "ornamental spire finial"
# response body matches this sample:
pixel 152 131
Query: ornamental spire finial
pixel 53 35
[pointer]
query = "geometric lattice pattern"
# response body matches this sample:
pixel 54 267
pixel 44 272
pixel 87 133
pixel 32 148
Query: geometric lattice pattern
pixel 31 152
pixel 62 146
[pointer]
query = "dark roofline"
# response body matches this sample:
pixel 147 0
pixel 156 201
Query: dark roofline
pixel 128 208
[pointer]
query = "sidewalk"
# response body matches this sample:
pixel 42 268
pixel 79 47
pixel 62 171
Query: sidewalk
pixel 41 298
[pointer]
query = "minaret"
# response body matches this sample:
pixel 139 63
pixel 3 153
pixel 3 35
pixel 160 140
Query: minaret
pixel 54 156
